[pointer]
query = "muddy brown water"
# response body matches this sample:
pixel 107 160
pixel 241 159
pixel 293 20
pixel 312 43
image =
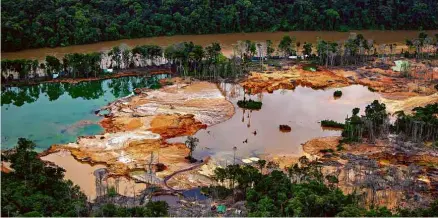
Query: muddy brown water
pixel 82 174
pixel 302 109
pixel 226 41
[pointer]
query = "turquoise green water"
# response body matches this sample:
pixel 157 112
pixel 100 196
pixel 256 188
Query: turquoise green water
pixel 53 113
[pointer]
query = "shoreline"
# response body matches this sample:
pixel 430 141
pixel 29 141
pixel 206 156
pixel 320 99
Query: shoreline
pixel 123 73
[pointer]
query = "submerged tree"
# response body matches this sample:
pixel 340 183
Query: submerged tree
pixel 191 143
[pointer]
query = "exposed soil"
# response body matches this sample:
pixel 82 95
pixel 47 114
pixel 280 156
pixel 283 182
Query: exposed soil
pixel 399 172
pixel 137 128
pixel 290 78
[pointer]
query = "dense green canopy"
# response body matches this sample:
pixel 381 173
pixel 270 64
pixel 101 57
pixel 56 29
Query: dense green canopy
pixel 31 24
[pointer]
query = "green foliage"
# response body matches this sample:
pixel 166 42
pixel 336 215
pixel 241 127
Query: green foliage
pixel 217 192
pixel 286 45
pixel 422 125
pixel 337 93
pixel 300 192
pixel 370 126
pixel 36 189
pixel 112 191
pixel 249 104
pixel 332 123
pixel 269 48
pixel 310 67
pixel 64 23
pixel 307 47
pixel 152 209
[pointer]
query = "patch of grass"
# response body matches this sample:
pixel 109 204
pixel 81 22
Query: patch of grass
pixel 310 67
pixel 250 104
pixel 332 123
pixel 337 93
pixel 155 85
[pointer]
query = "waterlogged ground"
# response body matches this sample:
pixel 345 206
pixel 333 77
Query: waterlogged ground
pixel 257 132
pixel 53 113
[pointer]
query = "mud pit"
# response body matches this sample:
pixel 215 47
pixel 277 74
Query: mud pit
pixel 137 128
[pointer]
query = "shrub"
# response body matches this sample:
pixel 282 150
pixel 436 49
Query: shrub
pixel 344 28
pixel 332 123
pixel 371 89
pixel 337 93
pixel 249 104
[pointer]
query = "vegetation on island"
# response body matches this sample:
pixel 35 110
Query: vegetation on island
pixel 332 123
pixel 337 93
pixel 63 23
pixel 250 104
pixel 37 188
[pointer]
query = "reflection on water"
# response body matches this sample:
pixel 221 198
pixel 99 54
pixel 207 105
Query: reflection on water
pixel 51 113
pixel 257 132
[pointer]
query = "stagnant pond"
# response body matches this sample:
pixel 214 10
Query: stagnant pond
pixel 51 113
pixel 257 132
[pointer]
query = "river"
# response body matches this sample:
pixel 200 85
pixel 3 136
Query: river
pixel 226 41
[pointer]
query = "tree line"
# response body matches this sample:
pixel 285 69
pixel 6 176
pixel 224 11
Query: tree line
pixel 208 62
pixel 419 127
pixel 62 23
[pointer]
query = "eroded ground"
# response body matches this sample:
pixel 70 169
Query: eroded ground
pixel 392 171
pixel 137 128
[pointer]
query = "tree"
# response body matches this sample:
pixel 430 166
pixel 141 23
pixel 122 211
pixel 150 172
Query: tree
pixel 53 65
pixel 333 16
pixel 285 45
pixel 307 49
pixel 269 48
pixel 35 188
pixel 191 143
pixel 116 55
pixel 261 164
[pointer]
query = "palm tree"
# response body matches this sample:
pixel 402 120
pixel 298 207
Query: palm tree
pixel 261 164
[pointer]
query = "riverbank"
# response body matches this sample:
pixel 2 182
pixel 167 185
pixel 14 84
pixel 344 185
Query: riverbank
pixel 226 40
pixel 117 74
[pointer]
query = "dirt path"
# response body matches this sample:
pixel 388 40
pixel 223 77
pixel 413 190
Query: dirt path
pixel 177 172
